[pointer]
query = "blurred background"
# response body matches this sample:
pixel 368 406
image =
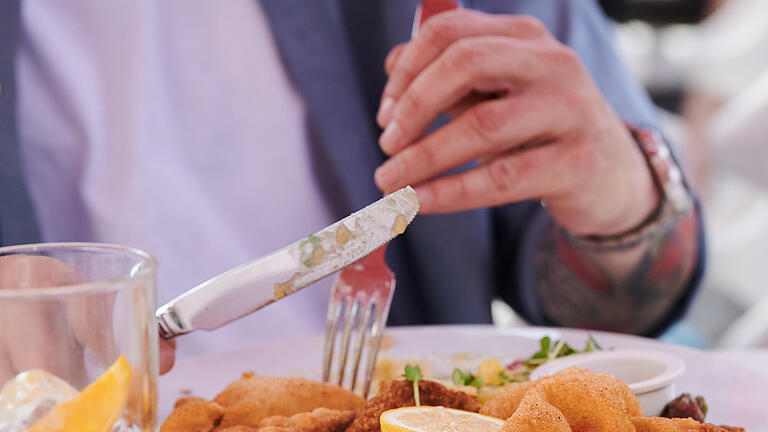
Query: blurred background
pixel 705 64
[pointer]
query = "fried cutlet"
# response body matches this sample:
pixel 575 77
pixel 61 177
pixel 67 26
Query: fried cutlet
pixel 396 394
pixel 319 420
pixel 535 414
pixel 253 398
pixel 661 424
pixel 185 400
pixel 241 429
pixel 580 400
pixel 589 400
pixel 193 416
pixel 505 404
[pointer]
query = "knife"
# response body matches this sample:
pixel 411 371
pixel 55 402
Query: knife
pixel 250 287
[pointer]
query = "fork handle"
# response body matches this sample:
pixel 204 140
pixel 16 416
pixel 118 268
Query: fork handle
pixel 429 8
pixel 377 256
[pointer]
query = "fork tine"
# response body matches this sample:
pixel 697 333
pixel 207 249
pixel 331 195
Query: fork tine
pixel 362 329
pixel 375 343
pixel 332 325
pixel 382 302
pixel 349 319
pixel 360 307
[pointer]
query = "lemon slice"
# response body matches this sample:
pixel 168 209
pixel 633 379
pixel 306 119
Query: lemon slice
pixel 436 419
pixel 96 408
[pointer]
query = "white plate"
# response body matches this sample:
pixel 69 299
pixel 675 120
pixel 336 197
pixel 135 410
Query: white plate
pixel 736 396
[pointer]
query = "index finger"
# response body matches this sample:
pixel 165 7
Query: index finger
pixel 441 31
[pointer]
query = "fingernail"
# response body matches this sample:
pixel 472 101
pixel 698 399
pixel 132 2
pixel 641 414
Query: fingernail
pixel 387 175
pixel 425 198
pixel 385 111
pixel 389 141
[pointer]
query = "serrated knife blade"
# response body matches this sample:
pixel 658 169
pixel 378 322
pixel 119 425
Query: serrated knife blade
pixel 250 287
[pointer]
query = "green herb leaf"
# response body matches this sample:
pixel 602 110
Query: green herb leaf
pixel 545 343
pixel 550 351
pixel 566 350
pixel 505 377
pixel 592 344
pixel 413 374
pixel 460 378
pixel 477 382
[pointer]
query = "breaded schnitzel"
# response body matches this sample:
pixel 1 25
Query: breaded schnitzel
pixel 573 400
pixel 589 400
pixel 661 424
pixel 287 396
pixel 319 420
pixel 397 394
pixel 193 415
pixel 580 400
pixel 251 399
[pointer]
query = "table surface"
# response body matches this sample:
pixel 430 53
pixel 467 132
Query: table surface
pixel 755 359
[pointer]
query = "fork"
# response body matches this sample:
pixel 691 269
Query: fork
pixel 359 305
pixel 363 292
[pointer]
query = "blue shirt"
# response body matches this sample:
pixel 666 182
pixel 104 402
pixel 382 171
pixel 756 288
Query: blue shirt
pixel 449 267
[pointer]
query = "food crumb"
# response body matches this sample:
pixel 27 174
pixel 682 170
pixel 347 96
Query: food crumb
pixel 282 290
pixel 343 234
pixel 400 224
pixel 317 255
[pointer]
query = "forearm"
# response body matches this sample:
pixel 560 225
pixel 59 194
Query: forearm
pixel 627 288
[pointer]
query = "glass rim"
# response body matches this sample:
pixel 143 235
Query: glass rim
pixel 142 256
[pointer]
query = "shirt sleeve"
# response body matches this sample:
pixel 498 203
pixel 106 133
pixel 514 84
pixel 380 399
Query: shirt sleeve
pixel 520 228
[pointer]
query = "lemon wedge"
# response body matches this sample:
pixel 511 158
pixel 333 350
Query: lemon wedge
pixel 96 408
pixel 436 419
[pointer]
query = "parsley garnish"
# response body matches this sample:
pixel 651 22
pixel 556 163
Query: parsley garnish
pixel 466 379
pixel 413 374
pixel 549 351
pixel 592 344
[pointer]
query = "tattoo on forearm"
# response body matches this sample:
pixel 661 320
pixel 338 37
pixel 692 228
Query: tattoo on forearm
pixel 586 289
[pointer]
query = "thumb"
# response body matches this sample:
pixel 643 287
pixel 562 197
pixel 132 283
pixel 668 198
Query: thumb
pixel 166 354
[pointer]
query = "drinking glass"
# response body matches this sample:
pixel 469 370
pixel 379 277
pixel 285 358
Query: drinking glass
pixel 70 314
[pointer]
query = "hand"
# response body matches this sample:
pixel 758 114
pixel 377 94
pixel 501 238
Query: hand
pixel 525 108
pixel 54 334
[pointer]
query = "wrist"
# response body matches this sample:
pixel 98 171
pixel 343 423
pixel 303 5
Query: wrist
pixel 639 207
pixel 622 202
pixel 673 199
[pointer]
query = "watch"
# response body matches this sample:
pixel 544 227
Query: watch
pixel 675 197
